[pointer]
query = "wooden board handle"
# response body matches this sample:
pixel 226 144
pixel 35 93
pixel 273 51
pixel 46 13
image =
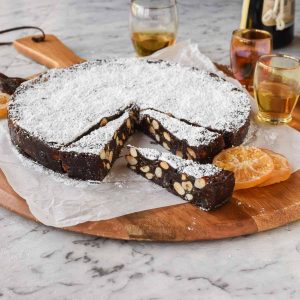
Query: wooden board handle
pixel 52 52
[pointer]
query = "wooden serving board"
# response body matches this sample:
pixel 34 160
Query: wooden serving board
pixel 248 212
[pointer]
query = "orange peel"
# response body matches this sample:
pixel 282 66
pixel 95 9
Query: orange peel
pixel 282 169
pixel 251 166
pixel 4 98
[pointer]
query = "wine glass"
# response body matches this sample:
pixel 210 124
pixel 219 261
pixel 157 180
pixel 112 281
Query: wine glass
pixel 153 25
pixel 276 87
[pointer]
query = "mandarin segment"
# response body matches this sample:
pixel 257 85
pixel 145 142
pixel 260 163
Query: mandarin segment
pixel 251 166
pixel 4 98
pixel 282 169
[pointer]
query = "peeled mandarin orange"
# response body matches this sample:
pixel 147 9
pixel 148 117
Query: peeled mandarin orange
pixel 4 98
pixel 251 166
pixel 282 169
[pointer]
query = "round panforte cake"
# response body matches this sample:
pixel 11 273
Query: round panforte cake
pixel 77 120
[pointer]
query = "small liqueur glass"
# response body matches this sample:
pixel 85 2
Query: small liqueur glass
pixel 276 87
pixel 153 25
pixel 247 45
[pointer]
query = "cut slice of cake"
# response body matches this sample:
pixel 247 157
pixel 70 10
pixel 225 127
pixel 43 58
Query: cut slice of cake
pixel 204 185
pixel 184 140
pixel 46 152
pixel 92 156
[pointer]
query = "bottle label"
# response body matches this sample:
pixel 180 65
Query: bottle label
pixel 277 12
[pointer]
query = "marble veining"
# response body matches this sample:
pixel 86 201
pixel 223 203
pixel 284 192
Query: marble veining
pixel 38 262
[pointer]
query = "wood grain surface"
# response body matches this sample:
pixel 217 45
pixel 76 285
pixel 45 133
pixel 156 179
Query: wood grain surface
pixel 249 211
pixel 52 52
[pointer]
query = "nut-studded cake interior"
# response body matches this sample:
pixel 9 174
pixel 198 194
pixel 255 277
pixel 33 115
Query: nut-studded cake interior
pixel 184 140
pixel 63 106
pixel 92 156
pixel 202 184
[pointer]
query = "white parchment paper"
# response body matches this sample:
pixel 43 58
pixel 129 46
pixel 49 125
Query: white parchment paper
pixel 58 201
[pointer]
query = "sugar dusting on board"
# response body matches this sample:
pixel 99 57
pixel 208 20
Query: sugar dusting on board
pixel 252 132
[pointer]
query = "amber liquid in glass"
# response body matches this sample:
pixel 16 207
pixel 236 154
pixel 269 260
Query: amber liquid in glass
pixel 245 53
pixel 146 43
pixel 276 101
pixel 244 59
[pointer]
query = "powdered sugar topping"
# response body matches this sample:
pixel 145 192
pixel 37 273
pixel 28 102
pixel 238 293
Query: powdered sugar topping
pixel 188 167
pixel 63 104
pixel 94 142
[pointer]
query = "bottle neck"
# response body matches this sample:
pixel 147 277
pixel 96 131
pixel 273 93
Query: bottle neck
pixel 245 11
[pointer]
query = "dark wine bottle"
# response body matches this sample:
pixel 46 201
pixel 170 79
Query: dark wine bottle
pixel 274 16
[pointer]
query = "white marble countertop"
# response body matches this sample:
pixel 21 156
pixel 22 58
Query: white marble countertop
pixel 38 262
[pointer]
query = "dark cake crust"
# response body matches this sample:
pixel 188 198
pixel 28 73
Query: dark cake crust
pixel 236 137
pixel 34 148
pixel 8 85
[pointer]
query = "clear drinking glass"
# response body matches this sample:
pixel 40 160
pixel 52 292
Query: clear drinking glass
pixel 276 87
pixel 153 25
pixel 247 45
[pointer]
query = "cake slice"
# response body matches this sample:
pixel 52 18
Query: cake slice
pixel 204 185
pixel 92 156
pixel 45 152
pixel 184 140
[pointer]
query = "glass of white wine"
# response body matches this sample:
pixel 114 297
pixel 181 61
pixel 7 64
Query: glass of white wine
pixel 153 25
pixel 277 87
